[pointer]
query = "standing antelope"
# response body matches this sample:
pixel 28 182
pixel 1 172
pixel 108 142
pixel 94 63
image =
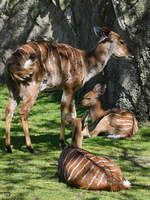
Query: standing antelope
pixel 117 123
pixel 39 65
pixel 85 170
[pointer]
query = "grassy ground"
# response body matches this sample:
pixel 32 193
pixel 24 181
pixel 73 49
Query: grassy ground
pixel 25 176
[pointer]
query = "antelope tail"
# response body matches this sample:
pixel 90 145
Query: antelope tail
pixel 17 70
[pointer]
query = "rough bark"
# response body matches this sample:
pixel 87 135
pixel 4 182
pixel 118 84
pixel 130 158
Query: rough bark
pixel 129 83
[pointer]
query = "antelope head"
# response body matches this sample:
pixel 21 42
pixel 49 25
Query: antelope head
pixel 92 98
pixel 118 47
pixel 79 129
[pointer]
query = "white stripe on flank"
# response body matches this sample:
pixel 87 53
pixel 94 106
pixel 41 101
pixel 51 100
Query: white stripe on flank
pixel 99 161
pixel 87 172
pixel 66 167
pixel 55 77
pixel 121 115
pixel 36 43
pixel 81 169
pixel 68 170
pixel 24 50
pixel 99 182
pixel 124 123
pixel 92 157
pixel 49 61
pixel 68 156
pixel 124 129
pixel 113 170
pixel 103 161
pixel 69 64
pixel 122 120
pixel 93 179
pixel 61 66
pixel 30 48
pixel 74 58
pixel 75 168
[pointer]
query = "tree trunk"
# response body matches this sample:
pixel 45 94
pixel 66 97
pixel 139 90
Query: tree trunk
pixel 72 22
pixel 129 83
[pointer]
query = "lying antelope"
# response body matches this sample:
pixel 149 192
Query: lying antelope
pixel 85 170
pixel 39 65
pixel 117 123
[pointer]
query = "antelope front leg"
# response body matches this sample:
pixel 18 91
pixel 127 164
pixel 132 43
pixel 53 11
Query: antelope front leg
pixel 65 104
pixel 72 109
pixel 12 104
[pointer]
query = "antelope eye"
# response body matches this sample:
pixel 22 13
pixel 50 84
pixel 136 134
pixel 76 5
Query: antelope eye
pixel 122 42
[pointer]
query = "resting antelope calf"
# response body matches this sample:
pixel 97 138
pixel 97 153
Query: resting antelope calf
pixel 117 123
pixel 85 170
pixel 39 65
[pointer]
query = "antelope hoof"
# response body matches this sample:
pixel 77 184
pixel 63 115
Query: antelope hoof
pixel 9 150
pixel 30 149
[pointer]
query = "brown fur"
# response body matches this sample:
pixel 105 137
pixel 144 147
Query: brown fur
pixel 117 123
pixel 41 64
pixel 85 170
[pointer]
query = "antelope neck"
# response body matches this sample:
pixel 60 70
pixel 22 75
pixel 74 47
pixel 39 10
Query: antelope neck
pixel 97 58
pixel 97 111
pixel 77 137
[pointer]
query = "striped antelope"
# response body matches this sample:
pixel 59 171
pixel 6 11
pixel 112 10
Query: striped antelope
pixel 117 123
pixel 85 170
pixel 39 65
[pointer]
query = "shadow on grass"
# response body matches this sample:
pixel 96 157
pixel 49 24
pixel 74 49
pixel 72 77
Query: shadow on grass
pixel 49 142
pixel 46 145
pixel 94 198
pixel 145 132
pixel 130 157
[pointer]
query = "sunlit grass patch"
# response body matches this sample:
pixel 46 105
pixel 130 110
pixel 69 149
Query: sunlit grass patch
pixel 27 176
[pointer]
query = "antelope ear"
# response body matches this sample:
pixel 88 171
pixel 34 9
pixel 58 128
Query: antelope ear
pixel 84 119
pixel 97 87
pixel 106 32
pixel 102 31
pixel 100 89
pixel 98 31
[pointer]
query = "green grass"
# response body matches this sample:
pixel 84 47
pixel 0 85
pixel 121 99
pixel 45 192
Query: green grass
pixel 25 176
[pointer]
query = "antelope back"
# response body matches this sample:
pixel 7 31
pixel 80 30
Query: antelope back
pixel 82 169
pixel 49 63
pixel 120 123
